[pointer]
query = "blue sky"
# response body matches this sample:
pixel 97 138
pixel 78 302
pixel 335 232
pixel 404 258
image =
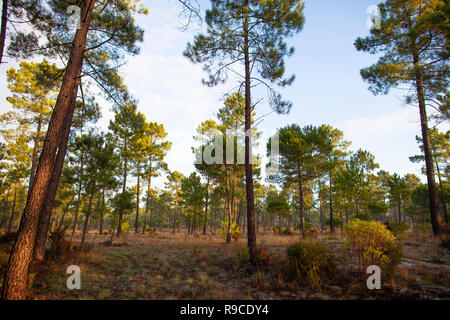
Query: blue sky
pixel 328 88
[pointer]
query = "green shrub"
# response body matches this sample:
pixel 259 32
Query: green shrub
pixel 234 230
pixel 371 243
pixel 362 216
pixel 311 261
pixel 398 228
pixel 336 221
pixel 276 229
pixel 287 231
pixel 307 226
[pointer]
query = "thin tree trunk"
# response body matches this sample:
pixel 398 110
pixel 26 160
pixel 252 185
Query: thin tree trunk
pixel 77 209
pixel 3 30
pixel 86 222
pixel 432 193
pixel 441 187
pixel 331 204
pixel 136 224
pixel 251 233
pixel 13 212
pixel 206 207
pixel 124 188
pixel 5 208
pixel 61 221
pixel 302 204
pixel 16 276
pixel 102 212
pixel 147 205
pixel 320 206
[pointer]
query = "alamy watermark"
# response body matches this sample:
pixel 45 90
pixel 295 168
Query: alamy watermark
pixel 73 21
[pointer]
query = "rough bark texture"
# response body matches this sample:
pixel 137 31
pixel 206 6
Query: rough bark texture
pixel 45 215
pixel 16 276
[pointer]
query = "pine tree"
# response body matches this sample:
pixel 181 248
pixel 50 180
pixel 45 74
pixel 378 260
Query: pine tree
pixel 249 34
pixel 414 53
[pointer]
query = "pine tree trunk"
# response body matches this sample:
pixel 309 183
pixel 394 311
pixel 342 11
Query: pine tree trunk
pixel 147 205
pixel 320 206
pixel 441 187
pixel 206 207
pixel 251 233
pixel 86 222
pixel 331 205
pixel 77 209
pixel 100 231
pixel 302 204
pixel 5 209
pixel 16 276
pixel 3 29
pixel 432 193
pixel 46 212
pixel 124 188
pixel 136 224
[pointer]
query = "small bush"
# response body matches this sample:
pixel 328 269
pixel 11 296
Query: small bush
pixel 287 231
pixel 311 261
pixel 337 222
pixel 276 229
pixel 59 247
pixel 398 228
pixel 263 257
pixel 307 226
pixel 371 243
pixel 242 256
pixel 234 230
pixel 362 216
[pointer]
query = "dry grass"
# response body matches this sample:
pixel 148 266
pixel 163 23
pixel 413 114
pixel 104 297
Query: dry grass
pixel 180 266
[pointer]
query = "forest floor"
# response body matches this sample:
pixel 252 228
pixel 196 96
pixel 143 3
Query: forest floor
pixel 180 266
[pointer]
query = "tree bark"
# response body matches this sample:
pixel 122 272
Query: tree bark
pixel 124 188
pixel 251 232
pixel 100 231
pixel 206 207
pixel 432 193
pixel 302 204
pixel 3 30
pixel 331 204
pixel 441 187
pixel 320 206
pixel 5 209
pixel 46 212
pixel 13 212
pixel 16 276
pixel 86 222
pixel 136 223
pixel 147 205
pixel 77 209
